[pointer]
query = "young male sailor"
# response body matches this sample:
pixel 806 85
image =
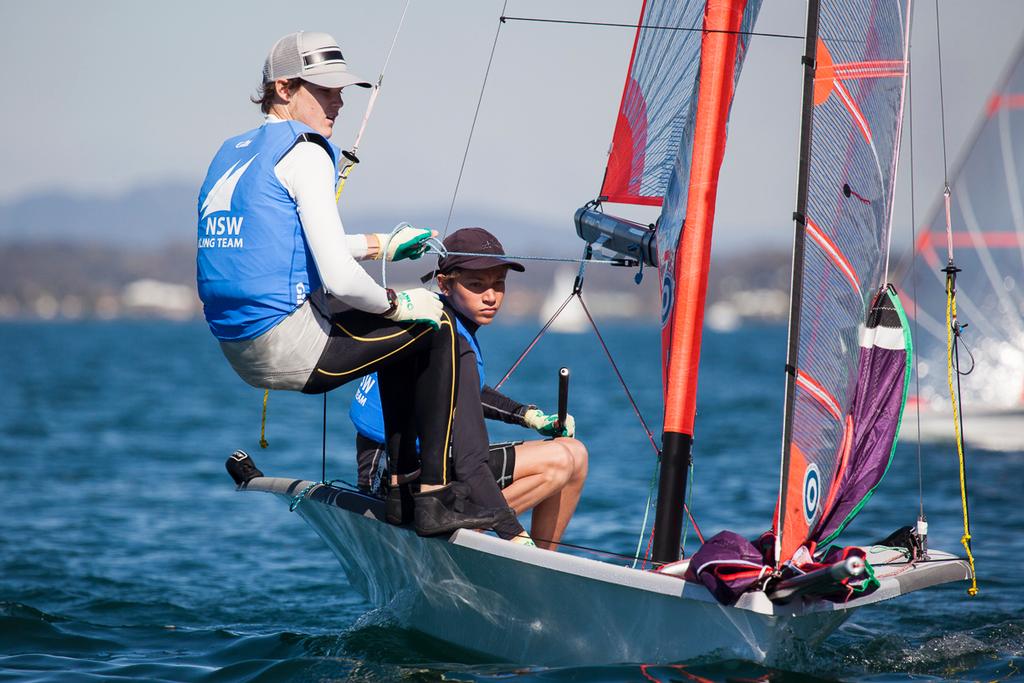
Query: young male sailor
pixel 282 291
pixel 547 475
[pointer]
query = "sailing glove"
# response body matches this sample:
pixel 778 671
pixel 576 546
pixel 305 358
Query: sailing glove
pixel 417 306
pixel 407 243
pixel 545 424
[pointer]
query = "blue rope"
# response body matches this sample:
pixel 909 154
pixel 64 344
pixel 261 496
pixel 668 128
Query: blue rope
pixel 297 500
pixel 647 513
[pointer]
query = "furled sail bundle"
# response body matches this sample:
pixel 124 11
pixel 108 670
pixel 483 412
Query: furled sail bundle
pixel 987 221
pixel 847 378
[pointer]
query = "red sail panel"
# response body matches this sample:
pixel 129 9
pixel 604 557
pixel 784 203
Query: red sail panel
pixel 655 102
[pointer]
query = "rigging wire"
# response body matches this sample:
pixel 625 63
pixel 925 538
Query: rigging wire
pixel 380 80
pixel 643 525
pixel 577 294
pixel 472 127
pixel 650 26
pixel 942 114
pixel 625 387
pixel 323 445
pixel 533 343
pixel 913 285
pixel 607 352
pixel 899 140
pixel 349 159
pixel 632 402
pixel 435 246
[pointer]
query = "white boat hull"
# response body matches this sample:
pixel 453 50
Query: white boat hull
pixel 991 429
pixel 532 606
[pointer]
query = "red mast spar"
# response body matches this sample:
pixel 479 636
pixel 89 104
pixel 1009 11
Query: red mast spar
pixel 722 23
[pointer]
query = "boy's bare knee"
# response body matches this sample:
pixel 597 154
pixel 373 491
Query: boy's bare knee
pixel 579 457
pixel 560 464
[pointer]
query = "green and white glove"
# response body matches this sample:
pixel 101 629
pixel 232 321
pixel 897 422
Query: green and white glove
pixel 417 306
pixel 545 424
pixel 407 243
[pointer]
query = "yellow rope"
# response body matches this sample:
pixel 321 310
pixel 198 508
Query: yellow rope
pixel 966 538
pixel 343 176
pixel 263 420
pixel 341 183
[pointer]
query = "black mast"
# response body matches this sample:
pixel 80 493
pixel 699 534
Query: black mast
pixel 800 226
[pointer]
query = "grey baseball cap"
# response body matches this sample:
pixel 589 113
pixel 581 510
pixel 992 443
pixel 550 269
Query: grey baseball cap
pixel 313 57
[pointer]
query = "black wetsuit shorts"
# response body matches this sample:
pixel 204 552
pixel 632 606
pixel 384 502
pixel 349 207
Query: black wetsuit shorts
pixel 372 461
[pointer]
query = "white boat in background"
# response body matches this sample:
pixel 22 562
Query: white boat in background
pixel 847 368
pixel 572 319
pixel 988 429
pixel 987 222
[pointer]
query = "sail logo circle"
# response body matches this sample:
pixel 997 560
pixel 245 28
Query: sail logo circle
pixel 667 292
pixel 812 491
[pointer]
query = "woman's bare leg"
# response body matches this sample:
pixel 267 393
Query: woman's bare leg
pixel 548 477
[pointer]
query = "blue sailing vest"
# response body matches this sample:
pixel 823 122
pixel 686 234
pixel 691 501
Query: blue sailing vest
pixel 365 411
pixel 253 265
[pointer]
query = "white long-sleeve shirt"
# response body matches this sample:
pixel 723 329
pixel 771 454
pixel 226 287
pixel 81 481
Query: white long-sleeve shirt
pixel 284 356
pixel 308 175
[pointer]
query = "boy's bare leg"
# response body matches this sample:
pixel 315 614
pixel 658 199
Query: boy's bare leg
pixel 548 477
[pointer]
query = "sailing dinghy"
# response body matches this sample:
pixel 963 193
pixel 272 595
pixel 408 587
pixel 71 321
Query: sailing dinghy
pixel 987 236
pixel 846 380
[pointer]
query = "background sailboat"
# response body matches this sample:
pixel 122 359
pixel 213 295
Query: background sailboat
pixel 987 221
pixel 494 597
pixel 571 320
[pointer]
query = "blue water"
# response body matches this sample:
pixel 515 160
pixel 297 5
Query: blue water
pixel 125 552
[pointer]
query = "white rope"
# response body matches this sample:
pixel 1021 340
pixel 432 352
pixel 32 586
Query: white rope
pixel 435 246
pixel 384 252
pixel 476 114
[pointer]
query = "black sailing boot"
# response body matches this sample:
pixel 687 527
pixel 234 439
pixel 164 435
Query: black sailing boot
pixel 448 508
pixel 399 502
pixel 241 468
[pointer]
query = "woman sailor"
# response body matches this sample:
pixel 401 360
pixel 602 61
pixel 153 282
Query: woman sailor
pixel 282 290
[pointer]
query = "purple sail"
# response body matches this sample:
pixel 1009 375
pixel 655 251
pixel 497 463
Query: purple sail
pixel 883 375
pixel 728 564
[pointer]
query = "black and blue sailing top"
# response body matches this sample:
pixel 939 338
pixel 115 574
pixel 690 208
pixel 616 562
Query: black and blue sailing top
pixel 253 264
pixel 366 412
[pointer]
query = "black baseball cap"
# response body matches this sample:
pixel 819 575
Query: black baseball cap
pixel 474 241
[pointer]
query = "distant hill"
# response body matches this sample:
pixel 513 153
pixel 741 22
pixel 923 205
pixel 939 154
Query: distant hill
pixel 153 216
pixel 142 218
pixel 83 254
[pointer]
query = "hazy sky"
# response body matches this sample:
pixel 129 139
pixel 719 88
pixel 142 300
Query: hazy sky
pixel 111 95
